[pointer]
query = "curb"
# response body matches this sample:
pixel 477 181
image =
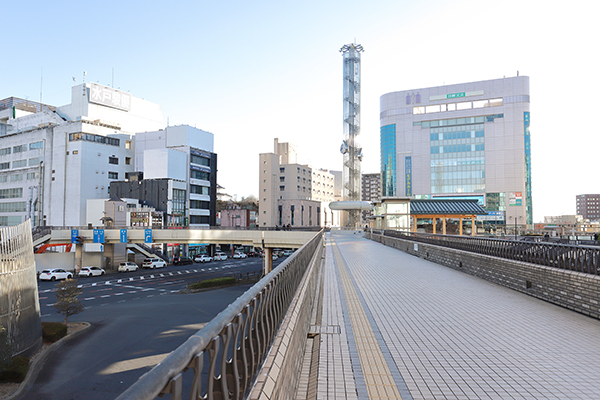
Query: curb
pixel 37 365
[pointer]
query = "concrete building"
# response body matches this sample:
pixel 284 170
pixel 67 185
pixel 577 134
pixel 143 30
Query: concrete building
pixel 238 216
pixel 293 193
pixel 371 192
pixel 588 206
pixel 463 141
pixel 55 158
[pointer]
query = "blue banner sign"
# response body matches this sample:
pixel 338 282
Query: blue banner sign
pixel 123 235
pixel 408 175
pixel 98 235
pixel 148 235
pixel 74 234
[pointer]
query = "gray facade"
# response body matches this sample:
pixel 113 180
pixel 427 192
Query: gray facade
pixel 466 140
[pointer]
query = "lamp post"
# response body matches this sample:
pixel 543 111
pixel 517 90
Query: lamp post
pixel 515 218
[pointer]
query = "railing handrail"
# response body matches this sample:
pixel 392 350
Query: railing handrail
pixel 579 258
pixel 154 381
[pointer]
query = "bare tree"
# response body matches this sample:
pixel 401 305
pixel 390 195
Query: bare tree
pixel 67 302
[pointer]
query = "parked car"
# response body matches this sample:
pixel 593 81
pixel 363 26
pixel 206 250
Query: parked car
pixel 220 256
pixel 154 263
pixel 128 266
pixel 239 255
pixel 91 271
pixel 202 258
pixel 287 253
pixel 54 274
pixel 252 254
pixel 275 257
pixel 182 261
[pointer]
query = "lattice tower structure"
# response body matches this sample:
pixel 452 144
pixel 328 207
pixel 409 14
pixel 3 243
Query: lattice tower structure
pixel 350 146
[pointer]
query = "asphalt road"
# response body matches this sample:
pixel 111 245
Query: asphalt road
pixel 137 319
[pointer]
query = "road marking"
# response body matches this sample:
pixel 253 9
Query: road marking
pixel 119 280
pixel 121 301
pixel 106 295
pixel 89 298
pixel 45 315
pixel 94 284
pixel 119 294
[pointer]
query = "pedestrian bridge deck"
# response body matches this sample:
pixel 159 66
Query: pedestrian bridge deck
pixel 397 326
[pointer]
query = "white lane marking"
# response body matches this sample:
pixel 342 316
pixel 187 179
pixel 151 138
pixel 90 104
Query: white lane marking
pixel 89 298
pixel 106 295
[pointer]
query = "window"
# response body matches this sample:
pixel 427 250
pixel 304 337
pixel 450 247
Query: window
pixel 282 179
pixel 19 163
pixel 16 206
pixel 32 175
pixel 199 160
pixel 34 161
pixel 10 220
pixel 5 165
pixel 282 188
pixel 20 149
pixel 199 175
pixel 36 145
pixel 127 160
pixel 128 144
pixel 4 151
pixel 113 175
pixel 197 189
pixel 88 137
pixel 282 169
pixel 199 219
pixel 11 193
pixel 199 204
pixel 179 201
pixel 113 160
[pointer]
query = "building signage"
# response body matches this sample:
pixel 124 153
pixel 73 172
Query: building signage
pixel 98 235
pixel 492 216
pixel 123 235
pixel 456 95
pixel 199 153
pixel 74 234
pixel 515 198
pixel 147 235
pixel 109 97
pixel 408 175
pixel 200 168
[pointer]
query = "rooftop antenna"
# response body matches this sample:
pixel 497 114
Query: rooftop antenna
pixel 41 85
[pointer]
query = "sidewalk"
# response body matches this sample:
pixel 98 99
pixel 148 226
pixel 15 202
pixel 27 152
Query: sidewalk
pixel 396 326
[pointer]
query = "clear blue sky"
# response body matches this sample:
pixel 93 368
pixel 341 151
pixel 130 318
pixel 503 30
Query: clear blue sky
pixel 252 71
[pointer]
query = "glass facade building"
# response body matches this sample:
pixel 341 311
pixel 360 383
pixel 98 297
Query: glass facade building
pixel 468 140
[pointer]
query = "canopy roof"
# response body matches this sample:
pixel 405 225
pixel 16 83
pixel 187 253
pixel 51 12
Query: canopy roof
pixel 446 207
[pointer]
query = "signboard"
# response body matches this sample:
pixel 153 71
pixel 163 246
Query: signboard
pixel 456 95
pixel 74 234
pixel 123 235
pixel 109 97
pixel 147 235
pixel 199 168
pixel 98 235
pixel 515 198
pixel 492 216
pixel 408 175
pixel 200 153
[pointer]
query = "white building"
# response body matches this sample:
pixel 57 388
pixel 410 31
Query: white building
pixel 55 158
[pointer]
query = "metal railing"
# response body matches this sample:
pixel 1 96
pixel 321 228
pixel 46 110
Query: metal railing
pixel 233 345
pixel 584 259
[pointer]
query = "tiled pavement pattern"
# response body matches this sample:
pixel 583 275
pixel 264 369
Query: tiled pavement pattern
pixel 445 334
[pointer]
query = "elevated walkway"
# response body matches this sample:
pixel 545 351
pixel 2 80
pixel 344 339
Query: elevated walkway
pixel 391 325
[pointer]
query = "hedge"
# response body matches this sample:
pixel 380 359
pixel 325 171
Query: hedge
pixel 211 283
pixel 53 331
pixel 16 371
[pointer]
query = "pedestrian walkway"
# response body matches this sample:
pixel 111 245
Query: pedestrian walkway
pixel 397 326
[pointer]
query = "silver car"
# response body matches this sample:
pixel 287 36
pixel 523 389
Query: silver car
pixel 91 271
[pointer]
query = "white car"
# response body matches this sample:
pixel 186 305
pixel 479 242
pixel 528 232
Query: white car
pixel 219 256
pixel 240 255
pixel 91 271
pixel 154 263
pixel 287 253
pixel 54 274
pixel 202 258
pixel 128 266
pixel 274 257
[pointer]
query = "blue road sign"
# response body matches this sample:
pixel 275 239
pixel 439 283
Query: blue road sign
pixel 148 235
pixel 98 235
pixel 123 235
pixel 74 234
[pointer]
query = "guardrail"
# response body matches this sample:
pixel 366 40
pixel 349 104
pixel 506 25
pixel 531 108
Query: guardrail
pixel 584 259
pixel 233 345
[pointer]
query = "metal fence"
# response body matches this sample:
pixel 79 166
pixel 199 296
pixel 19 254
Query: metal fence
pixel 584 259
pixel 19 303
pixel 225 356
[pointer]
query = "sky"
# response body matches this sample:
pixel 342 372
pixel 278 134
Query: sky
pixel 250 72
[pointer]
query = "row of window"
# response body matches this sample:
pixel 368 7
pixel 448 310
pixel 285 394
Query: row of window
pixel 90 137
pixel 454 175
pixel 15 206
pixel 456 135
pixel 22 148
pixel 199 219
pixel 457 148
pixel 195 159
pixel 200 205
pixel 465 105
pixel 474 188
pixel 197 189
pixel 457 161
pixel 199 175
pixel 12 220
pixel 11 193
pixel 18 177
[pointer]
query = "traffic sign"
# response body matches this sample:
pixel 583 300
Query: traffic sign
pixel 98 235
pixel 74 234
pixel 123 235
pixel 148 235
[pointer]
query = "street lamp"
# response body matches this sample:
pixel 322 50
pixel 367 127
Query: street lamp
pixel 515 218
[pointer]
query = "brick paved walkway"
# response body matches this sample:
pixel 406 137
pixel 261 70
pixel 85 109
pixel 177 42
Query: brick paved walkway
pixel 402 327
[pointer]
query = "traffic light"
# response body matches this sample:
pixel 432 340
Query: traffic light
pixel 79 240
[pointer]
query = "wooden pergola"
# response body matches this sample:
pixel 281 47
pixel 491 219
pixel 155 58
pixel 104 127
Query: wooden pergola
pixel 445 209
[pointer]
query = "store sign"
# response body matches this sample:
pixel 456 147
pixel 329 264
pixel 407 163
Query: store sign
pixel 123 235
pixel 109 97
pixel 408 175
pixel 456 95
pixel 515 198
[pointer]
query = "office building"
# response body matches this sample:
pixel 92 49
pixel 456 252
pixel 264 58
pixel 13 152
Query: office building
pixel 293 193
pixel 588 206
pixel 371 192
pixel 463 141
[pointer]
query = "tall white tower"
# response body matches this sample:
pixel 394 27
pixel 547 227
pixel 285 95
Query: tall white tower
pixel 350 146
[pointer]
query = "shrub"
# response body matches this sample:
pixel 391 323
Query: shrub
pixel 16 371
pixel 212 283
pixel 53 331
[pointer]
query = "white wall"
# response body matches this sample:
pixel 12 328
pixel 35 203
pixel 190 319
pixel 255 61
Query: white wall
pixel 165 163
